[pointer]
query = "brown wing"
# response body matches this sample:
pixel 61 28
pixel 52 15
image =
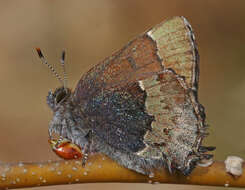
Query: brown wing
pixel 168 45
pixel 178 128
pixel 163 63
pixel 177 48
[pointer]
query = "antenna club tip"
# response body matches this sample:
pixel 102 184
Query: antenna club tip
pixel 40 54
pixel 63 55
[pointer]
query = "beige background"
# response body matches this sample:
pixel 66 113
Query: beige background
pixel 90 30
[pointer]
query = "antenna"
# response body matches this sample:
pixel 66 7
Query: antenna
pixel 45 62
pixel 62 61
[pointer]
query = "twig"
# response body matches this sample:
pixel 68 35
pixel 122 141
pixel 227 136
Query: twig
pixel 102 169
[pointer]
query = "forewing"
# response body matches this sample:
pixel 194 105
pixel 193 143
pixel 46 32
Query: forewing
pixel 177 48
pixel 168 45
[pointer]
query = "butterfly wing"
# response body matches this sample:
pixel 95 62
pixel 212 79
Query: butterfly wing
pixel 170 44
pixel 177 48
pixel 178 127
pixel 143 99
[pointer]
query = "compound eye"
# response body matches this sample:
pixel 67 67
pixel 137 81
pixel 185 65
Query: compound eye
pixel 60 96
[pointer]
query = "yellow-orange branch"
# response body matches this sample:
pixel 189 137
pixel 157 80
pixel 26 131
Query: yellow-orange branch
pixel 102 169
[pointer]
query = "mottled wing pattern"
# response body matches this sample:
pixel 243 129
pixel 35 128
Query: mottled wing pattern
pixel 137 59
pixel 176 47
pixel 176 131
pixel 148 90
pixel 120 118
pixel 168 45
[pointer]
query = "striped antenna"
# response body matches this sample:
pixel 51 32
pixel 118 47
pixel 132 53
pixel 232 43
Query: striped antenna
pixel 45 62
pixel 62 61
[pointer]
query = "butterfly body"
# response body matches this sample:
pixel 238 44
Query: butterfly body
pixel 140 105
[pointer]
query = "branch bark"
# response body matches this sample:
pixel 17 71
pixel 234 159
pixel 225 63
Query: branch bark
pixel 102 169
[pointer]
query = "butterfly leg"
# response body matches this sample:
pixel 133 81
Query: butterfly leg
pixel 87 148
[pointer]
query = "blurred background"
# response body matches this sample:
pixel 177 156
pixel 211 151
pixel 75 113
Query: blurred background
pixel 91 30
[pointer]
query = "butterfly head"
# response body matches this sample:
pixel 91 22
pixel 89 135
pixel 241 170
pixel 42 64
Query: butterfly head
pixel 62 93
pixel 58 97
pixel 60 100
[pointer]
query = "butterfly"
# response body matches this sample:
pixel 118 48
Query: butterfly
pixel 140 105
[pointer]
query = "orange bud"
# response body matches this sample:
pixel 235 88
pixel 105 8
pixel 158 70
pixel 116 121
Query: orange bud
pixel 65 149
